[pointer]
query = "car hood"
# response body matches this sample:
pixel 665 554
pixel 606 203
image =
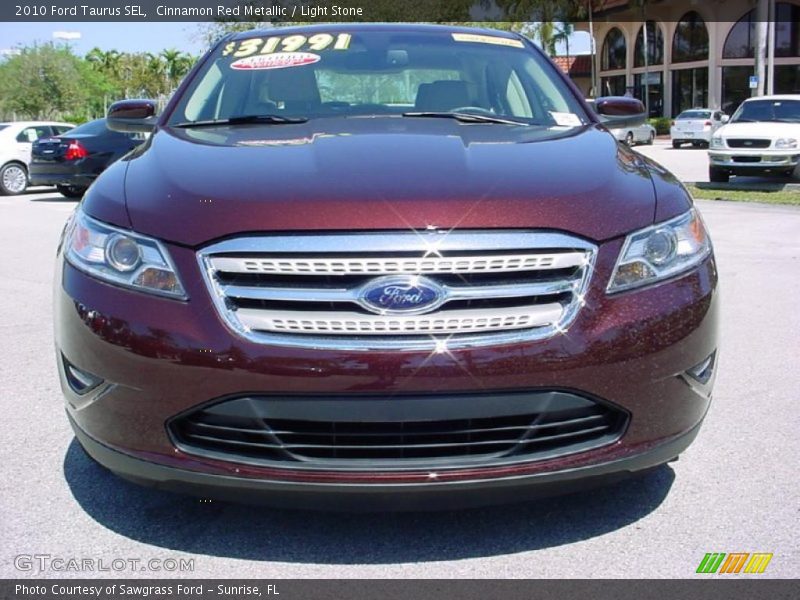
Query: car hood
pixel 762 129
pixel 192 186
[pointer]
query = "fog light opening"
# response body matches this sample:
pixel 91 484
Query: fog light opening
pixel 703 371
pixel 79 381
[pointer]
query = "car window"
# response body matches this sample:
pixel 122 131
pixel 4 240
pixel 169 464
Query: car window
pixel 96 127
pixel 61 129
pixel 695 114
pixel 378 73
pixel 31 134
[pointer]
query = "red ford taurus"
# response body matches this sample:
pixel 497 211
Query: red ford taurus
pixel 383 266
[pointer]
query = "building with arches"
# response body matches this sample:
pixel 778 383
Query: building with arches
pixel 697 53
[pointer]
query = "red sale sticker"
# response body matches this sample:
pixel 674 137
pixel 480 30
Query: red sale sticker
pixel 280 60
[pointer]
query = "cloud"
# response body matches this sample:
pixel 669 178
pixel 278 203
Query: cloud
pixel 67 35
pixel 9 51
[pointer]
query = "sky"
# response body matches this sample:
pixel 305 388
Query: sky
pixel 139 37
pixel 125 37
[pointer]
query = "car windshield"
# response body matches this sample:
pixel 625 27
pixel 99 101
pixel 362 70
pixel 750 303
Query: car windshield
pixel 283 78
pixel 695 114
pixel 782 111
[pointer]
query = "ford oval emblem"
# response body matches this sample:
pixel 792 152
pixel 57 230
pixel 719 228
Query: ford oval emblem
pixel 402 294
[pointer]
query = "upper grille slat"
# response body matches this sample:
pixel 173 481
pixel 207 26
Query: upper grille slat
pixel 312 290
pixel 389 266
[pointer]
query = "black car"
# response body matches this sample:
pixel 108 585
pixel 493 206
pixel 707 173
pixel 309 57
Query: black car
pixel 73 160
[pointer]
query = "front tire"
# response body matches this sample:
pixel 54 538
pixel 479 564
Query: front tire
pixel 13 179
pixel 650 139
pixel 717 175
pixel 71 191
pixel 629 139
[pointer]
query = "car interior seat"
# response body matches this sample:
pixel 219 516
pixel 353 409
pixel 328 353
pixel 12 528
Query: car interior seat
pixel 295 89
pixel 440 96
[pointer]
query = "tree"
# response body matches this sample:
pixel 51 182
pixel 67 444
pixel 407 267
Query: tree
pixel 47 81
pixel 176 65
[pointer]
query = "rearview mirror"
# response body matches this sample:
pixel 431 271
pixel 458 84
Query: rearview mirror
pixel 132 116
pixel 620 111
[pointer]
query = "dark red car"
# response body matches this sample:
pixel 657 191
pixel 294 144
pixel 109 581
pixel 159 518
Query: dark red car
pixel 383 266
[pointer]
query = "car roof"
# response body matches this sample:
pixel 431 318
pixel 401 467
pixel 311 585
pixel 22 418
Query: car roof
pixel 355 27
pixel 34 123
pixel 775 97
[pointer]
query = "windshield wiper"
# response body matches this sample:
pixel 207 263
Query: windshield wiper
pixel 465 117
pixel 244 120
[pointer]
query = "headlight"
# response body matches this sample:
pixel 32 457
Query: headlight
pixel 661 251
pixel 786 143
pixel 716 142
pixel 121 257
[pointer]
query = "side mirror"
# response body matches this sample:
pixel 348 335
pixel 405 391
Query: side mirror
pixel 725 118
pixel 132 116
pixel 620 111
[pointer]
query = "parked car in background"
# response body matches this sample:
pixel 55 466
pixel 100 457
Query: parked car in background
pixel 696 126
pixel 762 138
pixel 72 162
pixel 16 140
pixel 641 134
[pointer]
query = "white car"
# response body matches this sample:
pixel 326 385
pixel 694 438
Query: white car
pixel 696 126
pixel 16 140
pixel 640 134
pixel 762 138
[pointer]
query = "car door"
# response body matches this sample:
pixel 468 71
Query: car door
pixel 25 139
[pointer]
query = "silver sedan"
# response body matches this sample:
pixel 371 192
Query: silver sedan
pixel 639 134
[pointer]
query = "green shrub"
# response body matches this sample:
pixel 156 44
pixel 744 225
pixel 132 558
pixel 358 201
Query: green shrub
pixel 661 124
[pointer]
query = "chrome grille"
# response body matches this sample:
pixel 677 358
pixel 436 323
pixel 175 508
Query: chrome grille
pixel 308 290
pixel 748 143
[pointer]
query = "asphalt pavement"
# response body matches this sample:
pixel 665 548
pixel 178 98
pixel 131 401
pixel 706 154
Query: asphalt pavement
pixel 735 490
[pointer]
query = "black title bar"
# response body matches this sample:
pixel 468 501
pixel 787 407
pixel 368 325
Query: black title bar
pixel 360 10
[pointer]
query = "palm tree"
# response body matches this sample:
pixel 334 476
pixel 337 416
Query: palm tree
pixel 545 33
pixel 563 33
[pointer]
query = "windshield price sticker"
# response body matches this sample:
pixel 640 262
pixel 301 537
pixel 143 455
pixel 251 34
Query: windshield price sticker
pixel 564 119
pixel 291 43
pixel 487 39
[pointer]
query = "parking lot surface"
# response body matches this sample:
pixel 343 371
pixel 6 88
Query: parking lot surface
pixel 734 490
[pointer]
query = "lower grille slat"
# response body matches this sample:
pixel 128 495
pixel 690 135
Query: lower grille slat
pixel 249 435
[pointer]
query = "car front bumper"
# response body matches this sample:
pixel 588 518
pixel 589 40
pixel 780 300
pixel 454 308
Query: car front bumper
pixel 159 358
pixel 435 494
pixel 755 160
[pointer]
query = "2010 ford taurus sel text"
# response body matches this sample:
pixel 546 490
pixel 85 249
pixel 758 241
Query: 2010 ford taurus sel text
pixel 383 266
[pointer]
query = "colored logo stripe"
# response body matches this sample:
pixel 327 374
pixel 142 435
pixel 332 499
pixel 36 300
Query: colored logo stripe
pixel 758 563
pixel 734 562
pixel 711 562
